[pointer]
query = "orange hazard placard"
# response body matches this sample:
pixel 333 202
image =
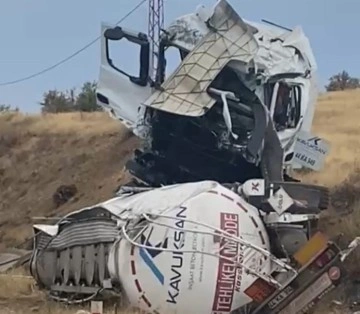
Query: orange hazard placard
pixel 317 243
pixel 259 290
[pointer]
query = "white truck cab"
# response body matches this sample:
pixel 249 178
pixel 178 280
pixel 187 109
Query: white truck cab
pixel 262 69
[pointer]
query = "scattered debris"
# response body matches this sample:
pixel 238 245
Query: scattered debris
pixel 336 302
pixel 7 261
pixel 35 309
pixel 13 258
pixel 83 312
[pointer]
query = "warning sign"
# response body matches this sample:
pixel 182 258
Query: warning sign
pixel 310 151
pixel 280 201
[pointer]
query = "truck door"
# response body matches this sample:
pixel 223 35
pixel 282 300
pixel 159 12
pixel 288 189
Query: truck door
pixel 286 105
pixel 119 92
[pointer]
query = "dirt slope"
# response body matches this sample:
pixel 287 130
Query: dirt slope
pixel 39 154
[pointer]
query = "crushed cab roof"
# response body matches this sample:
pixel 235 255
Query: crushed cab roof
pixel 185 91
pixel 229 38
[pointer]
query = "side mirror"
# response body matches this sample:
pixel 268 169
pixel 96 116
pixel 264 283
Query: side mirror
pixel 118 33
pixel 114 33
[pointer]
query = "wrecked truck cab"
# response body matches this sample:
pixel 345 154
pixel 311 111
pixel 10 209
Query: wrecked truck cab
pixel 210 105
pixel 284 62
pixel 191 115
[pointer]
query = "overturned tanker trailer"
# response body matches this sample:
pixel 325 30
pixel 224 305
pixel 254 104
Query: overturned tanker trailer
pixel 240 95
pixel 195 247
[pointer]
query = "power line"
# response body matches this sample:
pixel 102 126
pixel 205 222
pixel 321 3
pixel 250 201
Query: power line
pixel 72 55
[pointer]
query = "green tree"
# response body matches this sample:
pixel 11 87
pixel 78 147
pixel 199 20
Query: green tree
pixel 86 100
pixel 342 81
pixel 55 101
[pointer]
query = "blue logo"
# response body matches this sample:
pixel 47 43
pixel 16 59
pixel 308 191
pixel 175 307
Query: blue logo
pixel 148 255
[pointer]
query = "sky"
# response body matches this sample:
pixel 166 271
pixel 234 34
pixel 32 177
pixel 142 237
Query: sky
pixel 38 33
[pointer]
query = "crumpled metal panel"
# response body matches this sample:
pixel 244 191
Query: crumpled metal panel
pixel 185 92
pixel 86 232
pixel 187 31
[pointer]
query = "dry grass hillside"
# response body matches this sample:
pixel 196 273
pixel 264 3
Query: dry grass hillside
pixel 337 119
pixel 40 153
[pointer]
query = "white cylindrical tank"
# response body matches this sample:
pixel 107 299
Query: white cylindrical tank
pixel 166 282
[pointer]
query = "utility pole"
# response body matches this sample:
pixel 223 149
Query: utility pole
pixel 156 24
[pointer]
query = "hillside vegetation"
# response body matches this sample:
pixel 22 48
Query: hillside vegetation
pixel 337 119
pixel 38 154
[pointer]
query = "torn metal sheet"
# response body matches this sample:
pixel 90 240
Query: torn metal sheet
pixel 7 261
pixel 185 91
pixel 131 205
pixel 12 258
pixel 187 31
pixel 278 49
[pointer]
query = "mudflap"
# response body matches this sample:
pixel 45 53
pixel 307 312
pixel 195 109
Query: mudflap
pixel 320 270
